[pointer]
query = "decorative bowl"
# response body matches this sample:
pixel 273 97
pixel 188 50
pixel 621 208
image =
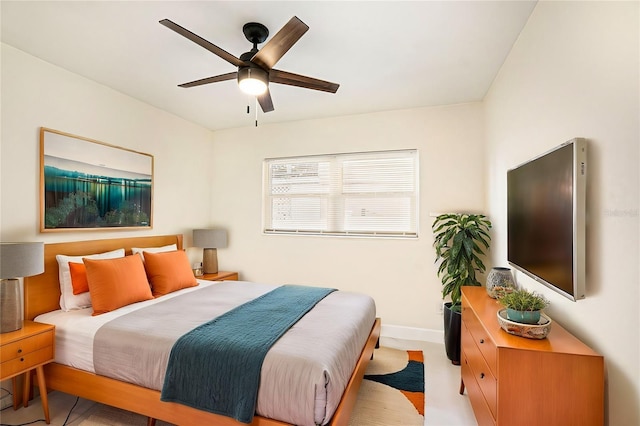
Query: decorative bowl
pixel 530 331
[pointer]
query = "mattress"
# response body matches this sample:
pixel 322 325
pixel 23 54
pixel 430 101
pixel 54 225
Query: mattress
pixel 303 375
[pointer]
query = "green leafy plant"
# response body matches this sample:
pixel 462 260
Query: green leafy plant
pixel 524 300
pixel 459 239
pixel 76 209
pixel 129 214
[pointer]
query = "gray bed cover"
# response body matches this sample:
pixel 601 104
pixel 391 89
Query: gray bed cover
pixel 303 375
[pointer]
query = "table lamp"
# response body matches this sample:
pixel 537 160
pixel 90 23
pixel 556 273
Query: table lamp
pixel 16 260
pixel 210 240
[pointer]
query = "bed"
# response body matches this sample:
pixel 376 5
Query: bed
pixel 42 299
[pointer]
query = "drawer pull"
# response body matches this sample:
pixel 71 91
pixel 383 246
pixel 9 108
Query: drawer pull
pixel 21 359
pixel 481 340
pixel 482 375
pixel 20 350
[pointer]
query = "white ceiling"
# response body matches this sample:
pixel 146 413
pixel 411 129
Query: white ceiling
pixel 384 54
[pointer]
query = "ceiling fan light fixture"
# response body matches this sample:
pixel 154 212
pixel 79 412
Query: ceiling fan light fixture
pixel 253 81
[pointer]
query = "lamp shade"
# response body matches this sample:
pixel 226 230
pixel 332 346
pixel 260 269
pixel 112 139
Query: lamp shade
pixel 16 260
pixel 21 259
pixel 210 238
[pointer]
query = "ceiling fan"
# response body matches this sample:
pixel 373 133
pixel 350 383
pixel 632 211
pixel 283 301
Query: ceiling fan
pixel 255 67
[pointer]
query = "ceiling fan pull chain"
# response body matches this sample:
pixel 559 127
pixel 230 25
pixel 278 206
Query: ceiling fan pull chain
pixel 256 109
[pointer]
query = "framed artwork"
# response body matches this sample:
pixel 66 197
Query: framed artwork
pixel 91 185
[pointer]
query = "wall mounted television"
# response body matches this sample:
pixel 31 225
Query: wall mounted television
pixel 546 218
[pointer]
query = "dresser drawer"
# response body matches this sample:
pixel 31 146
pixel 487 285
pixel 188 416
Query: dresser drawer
pixel 481 410
pixel 26 362
pixel 481 338
pixel 480 371
pixel 25 346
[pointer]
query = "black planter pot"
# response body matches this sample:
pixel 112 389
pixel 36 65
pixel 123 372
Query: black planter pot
pixel 452 330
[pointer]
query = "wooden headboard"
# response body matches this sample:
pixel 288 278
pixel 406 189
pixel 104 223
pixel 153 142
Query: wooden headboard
pixel 42 292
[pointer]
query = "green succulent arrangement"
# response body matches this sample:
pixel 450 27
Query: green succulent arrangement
pixel 459 241
pixel 523 300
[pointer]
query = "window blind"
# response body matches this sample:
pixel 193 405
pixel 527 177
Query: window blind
pixel 359 194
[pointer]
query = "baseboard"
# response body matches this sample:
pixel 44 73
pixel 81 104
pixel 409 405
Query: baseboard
pixel 412 333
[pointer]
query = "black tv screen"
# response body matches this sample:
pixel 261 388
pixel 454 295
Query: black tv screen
pixel 546 218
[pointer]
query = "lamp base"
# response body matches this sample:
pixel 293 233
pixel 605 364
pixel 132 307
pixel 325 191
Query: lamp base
pixel 210 261
pixel 10 305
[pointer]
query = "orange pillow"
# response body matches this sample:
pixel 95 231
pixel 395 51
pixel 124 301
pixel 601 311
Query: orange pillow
pixel 78 278
pixel 168 271
pixel 114 283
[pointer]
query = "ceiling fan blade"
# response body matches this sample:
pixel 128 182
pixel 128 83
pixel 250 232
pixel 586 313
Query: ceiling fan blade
pixel 280 43
pixel 285 77
pixel 202 42
pixel 265 101
pixel 214 79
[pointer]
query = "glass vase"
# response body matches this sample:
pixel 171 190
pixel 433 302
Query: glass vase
pixel 499 281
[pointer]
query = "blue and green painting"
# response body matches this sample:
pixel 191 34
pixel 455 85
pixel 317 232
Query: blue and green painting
pixel 81 195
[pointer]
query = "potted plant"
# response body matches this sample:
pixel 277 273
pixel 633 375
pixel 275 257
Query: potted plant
pixel 459 241
pixel 524 306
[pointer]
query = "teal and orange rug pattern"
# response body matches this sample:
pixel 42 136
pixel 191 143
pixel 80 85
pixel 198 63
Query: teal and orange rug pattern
pixel 409 381
pixel 392 392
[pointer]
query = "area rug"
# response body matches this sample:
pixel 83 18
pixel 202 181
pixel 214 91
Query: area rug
pixel 392 393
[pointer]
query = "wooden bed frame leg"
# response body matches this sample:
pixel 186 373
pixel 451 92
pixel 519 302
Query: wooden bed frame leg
pixel 461 387
pixel 151 421
pixel 376 347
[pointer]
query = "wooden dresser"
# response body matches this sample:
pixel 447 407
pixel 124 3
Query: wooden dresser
pixel 514 381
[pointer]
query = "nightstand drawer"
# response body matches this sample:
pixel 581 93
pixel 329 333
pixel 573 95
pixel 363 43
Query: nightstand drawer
pixel 26 362
pixel 25 346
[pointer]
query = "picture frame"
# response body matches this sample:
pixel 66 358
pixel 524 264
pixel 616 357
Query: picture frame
pixel 88 185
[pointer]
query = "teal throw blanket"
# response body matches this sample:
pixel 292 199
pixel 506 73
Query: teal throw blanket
pixel 216 366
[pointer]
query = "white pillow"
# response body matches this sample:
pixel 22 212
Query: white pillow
pixel 68 300
pixel 141 250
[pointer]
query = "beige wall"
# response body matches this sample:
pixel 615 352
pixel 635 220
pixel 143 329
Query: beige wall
pixel 36 93
pixel 574 72
pixel 398 273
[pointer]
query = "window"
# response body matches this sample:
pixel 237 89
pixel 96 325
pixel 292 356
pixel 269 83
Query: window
pixel 359 194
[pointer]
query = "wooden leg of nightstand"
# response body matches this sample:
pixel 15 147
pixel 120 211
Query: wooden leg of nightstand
pixel 43 393
pixel 14 386
pixel 26 389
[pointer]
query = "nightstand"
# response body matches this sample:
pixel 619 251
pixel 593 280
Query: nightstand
pixel 220 276
pixel 23 351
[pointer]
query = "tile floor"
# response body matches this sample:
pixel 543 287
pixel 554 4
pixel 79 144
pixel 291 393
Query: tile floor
pixel 444 406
